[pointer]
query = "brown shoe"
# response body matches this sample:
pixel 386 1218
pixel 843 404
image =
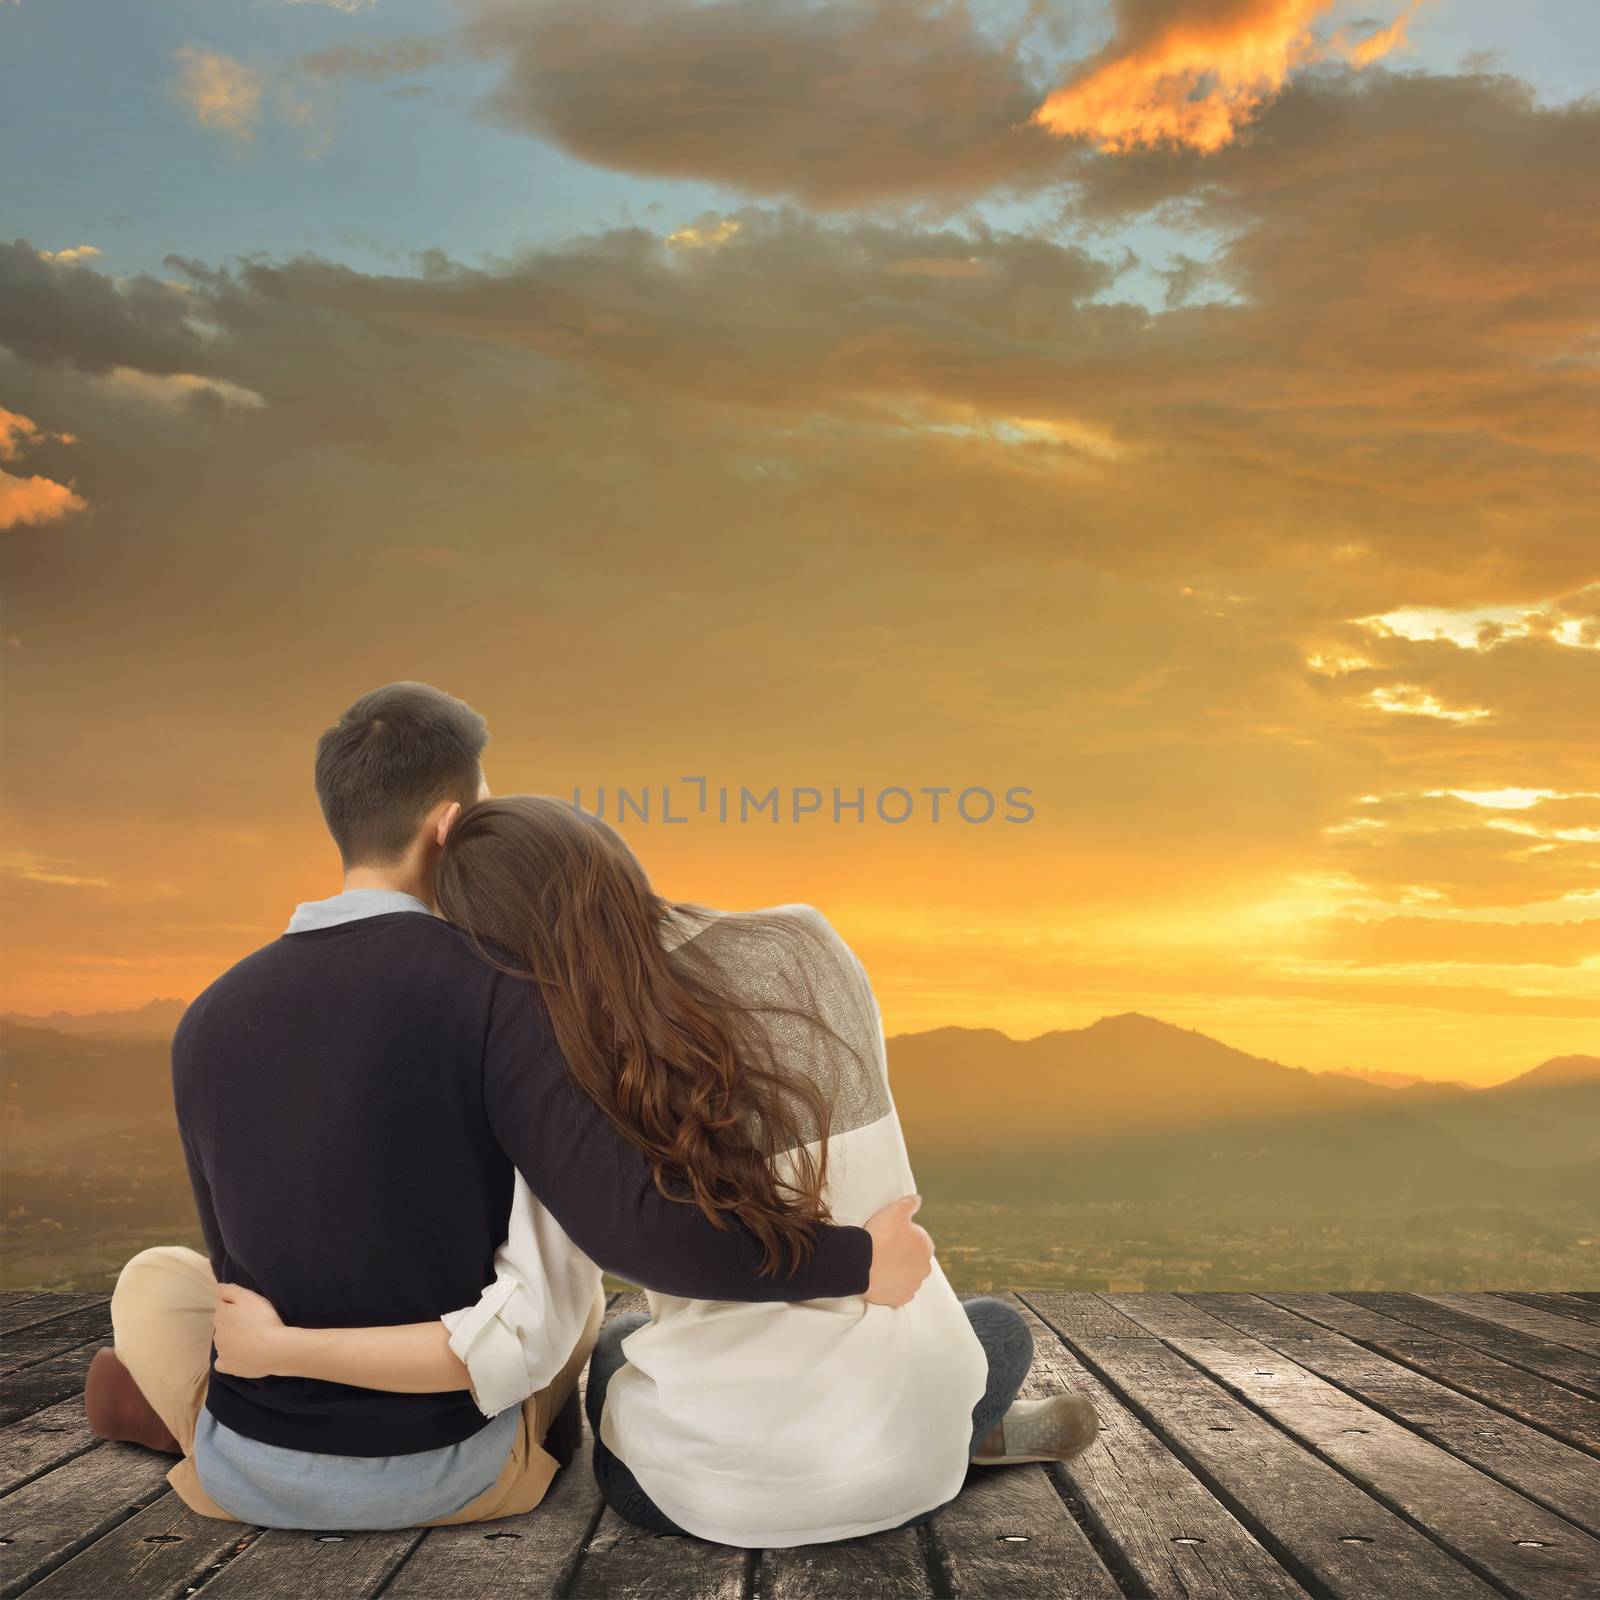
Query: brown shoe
pixel 117 1410
pixel 1056 1429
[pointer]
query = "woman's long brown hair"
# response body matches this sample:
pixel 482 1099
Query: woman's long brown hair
pixel 683 1072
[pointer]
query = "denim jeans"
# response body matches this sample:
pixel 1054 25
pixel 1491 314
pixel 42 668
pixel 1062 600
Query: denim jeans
pixel 1000 1330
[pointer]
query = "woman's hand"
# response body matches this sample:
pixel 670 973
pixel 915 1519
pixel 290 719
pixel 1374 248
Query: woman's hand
pixel 251 1339
pixel 253 1342
pixel 902 1253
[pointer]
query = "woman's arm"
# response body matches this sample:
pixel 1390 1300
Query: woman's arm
pixel 410 1358
pixel 521 1332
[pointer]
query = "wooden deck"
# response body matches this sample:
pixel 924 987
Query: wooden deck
pixel 1438 1446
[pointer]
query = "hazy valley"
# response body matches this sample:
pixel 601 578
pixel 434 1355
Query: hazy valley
pixel 1128 1154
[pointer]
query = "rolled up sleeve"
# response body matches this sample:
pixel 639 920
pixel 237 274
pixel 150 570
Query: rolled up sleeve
pixel 528 1321
pixel 487 1340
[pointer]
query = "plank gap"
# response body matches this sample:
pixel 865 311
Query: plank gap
pixel 569 1577
pixel 1544 1360
pixel 50 1465
pixel 399 1562
pixel 1110 1553
pixel 936 1559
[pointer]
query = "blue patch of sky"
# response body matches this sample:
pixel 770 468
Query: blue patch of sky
pixel 114 161
pixel 380 172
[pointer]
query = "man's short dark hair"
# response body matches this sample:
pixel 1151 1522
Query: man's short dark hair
pixel 389 760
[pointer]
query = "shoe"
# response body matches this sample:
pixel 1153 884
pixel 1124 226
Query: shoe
pixel 1056 1429
pixel 117 1410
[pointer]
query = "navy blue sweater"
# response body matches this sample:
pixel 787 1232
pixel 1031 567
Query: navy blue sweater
pixel 352 1102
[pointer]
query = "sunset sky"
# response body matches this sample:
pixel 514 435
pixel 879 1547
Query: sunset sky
pixel 1184 409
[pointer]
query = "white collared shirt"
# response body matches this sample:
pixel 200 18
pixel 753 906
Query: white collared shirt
pixel 349 905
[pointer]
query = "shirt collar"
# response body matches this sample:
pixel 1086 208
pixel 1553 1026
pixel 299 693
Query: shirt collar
pixel 351 905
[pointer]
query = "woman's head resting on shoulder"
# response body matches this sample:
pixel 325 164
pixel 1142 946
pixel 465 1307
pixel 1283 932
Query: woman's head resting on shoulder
pixel 682 1071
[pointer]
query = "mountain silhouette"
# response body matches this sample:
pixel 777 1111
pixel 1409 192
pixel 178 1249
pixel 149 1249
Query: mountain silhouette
pixel 1559 1071
pixel 1129 1107
pixel 1390 1080
pixel 1133 1107
pixel 154 1020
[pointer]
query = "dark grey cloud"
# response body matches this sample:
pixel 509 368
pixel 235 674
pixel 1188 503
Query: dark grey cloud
pixel 837 105
pixel 1390 398
pixel 70 314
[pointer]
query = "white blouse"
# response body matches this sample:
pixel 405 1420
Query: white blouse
pixel 778 1423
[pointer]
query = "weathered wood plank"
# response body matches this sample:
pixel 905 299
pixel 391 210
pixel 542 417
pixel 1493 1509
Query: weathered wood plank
pixel 515 1558
pixel 1533 1354
pixel 19 1307
pixel 1009 1536
pixel 283 1565
pixel 55 1516
pixel 512 1559
pixel 1531 1550
pixel 42 1441
pixel 622 1562
pixel 29 1310
pixel 48 1337
pixel 1542 1404
pixel 45 1383
pixel 1561 1305
pixel 1565 1480
pixel 1168 1494
pixel 892 1565
pixel 1526 1319
pixel 1158 1522
pixel 1329 1533
pixel 157 1554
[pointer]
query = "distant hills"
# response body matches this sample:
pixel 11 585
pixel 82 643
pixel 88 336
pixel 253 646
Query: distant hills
pixel 1386 1080
pixel 1134 1107
pixel 154 1020
pixel 1558 1070
pixel 1129 1107
pixel 57 1087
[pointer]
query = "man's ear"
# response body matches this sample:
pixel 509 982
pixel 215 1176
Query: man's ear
pixel 447 821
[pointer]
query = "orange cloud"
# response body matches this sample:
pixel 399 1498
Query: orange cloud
pixel 17 431
pixel 33 499
pixel 1193 74
pixel 38 869
pixel 1363 52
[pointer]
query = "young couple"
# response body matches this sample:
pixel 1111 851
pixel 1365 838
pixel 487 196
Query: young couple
pixel 421 1121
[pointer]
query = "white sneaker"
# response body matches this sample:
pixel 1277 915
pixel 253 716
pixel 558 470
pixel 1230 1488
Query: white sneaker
pixel 1056 1429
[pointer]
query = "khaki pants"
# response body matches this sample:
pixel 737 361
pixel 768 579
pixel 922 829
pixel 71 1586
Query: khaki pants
pixel 161 1320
